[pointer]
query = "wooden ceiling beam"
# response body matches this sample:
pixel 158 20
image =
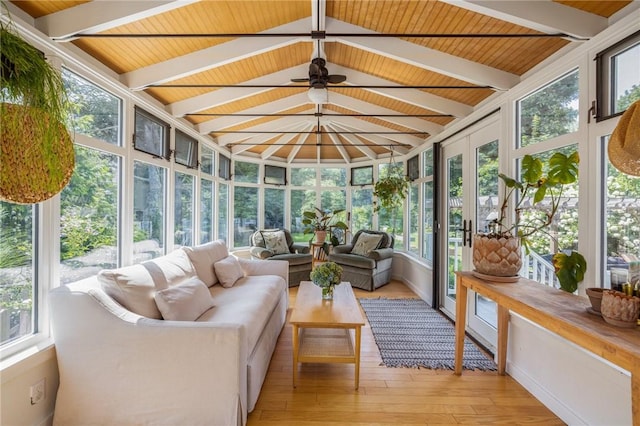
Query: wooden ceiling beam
pixel 213 57
pixel 355 142
pixel 336 141
pixel 98 16
pixel 423 57
pixel 283 140
pixel 374 139
pixel 296 148
pixel 365 107
pixel 544 16
pixel 364 126
pixel 410 96
pixel 282 124
pixel 229 95
pixel 268 108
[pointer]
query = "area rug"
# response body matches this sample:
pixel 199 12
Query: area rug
pixel 409 333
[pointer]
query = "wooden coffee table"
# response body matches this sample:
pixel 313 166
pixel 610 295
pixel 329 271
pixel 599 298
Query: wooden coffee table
pixel 321 328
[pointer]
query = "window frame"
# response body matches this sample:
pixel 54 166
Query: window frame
pixel 191 162
pixel 165 149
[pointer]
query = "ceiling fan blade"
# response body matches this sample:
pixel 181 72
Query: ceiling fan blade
pixel 337 78
pixel 300 80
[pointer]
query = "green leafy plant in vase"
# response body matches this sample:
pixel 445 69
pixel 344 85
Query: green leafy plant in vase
pixel 326 276
pixel 320 222
pixel 540 181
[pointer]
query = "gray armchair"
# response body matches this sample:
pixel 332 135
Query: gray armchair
pixel 365 268
pixel 297 254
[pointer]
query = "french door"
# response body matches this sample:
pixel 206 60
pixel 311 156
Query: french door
pixel 470 202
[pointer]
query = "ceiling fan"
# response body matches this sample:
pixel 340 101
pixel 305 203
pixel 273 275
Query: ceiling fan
pixel 319 76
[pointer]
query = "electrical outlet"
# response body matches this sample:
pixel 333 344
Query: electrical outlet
pixel 37 392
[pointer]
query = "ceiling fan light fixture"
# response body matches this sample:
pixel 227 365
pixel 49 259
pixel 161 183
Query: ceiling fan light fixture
pixel 319 96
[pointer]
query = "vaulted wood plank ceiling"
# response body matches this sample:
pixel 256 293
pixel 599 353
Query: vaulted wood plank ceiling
pixel 412 67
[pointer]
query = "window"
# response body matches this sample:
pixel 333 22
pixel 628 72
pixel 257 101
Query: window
pixel 622 227
pixel 428 211
pixel 207 218
pixel 561 234
pixel 207 161
pixel 391 222
pixel 413 168
pixel 275 175
pixel 225 167
pixel 151 134
pixel 301 200
pixel 183 209
pixel 362 176
pixel 549 112
pixel 330 176
pixel 95 112
pixel 273 208
pixel 427 206
pixel 303 176
pixel 245 208
pixel 186 150
pixel 618 77
pixel 149 189
pixel 18 286
pixel 89 207
pixel 362 209
pixel 223 211
pixel 245 172
pixel 414 225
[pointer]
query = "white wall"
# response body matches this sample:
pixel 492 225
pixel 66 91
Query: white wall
pixel 16 380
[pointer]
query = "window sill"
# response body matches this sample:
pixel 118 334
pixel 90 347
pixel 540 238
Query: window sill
pixel 41 350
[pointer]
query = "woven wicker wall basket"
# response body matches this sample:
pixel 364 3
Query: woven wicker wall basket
pixel 37 157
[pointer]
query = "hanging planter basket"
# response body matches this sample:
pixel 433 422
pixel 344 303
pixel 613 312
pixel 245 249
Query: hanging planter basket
pixel 36 151
pixel 36 160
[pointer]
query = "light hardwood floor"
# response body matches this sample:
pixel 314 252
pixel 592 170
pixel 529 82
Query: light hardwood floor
pixel 393 396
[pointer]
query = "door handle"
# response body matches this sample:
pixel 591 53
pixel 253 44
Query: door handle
pixel 470 231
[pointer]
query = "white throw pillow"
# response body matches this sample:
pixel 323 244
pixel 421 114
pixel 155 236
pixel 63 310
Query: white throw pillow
pixel 275 242
pixel 185 301
pixel 132 287
pixel 228 271
pixel 366 243
pixel 204 256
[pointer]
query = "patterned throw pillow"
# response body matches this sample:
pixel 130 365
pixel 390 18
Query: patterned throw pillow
pixel 275 242
pixel 366 243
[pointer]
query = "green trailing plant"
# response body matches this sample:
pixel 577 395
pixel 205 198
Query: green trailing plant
pixel 541 181
pixel 390 192
pixel 36 146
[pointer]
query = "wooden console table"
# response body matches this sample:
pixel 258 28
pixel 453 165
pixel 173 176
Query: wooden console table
pixel 558 311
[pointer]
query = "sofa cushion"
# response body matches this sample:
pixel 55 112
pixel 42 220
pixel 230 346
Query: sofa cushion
pixel 365 243
pixel 275 241
pixel 134 286
pixel 249 302
pixel 185 301
pixel 356 261
pixel 228 271
pixel 204 256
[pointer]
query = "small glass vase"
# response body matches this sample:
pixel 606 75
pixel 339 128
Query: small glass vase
pixel 327 293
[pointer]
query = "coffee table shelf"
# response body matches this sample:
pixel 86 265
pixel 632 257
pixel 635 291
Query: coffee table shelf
pixel 322 329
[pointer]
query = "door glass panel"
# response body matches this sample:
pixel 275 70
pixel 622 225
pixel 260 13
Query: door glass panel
pixel 486 210
pixel 622 232
pixel 454 214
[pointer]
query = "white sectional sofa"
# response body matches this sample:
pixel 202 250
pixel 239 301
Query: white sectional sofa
pixel 121 363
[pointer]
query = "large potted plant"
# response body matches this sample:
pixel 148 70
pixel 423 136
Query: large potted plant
pixel 498 252
pixel 318 222
pixel 390 192
pixel 36 150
